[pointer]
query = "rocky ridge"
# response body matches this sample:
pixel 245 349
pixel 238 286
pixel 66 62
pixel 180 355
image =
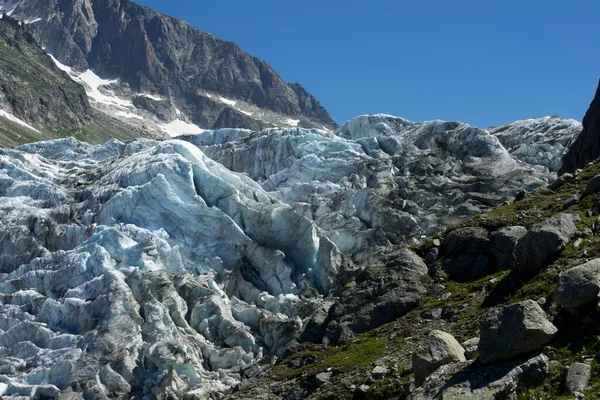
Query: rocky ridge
pixel 38 101
pixel 211 81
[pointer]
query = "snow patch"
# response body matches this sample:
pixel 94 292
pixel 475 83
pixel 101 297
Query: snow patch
pixel 32 20
pixel 227 101
pixel 292 122
pixel 179 127
pixel 151 97
pixel 10 7
pixel 16 120
pixel 125 114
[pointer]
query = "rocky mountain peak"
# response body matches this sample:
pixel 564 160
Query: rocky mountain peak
pixel 165 56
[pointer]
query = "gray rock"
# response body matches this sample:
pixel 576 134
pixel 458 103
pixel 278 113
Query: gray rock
pixel 323 378
pixel 383 292
pixel 541 243
pixel 561 180
pixel 578 286
pixel 574 199
pixel 511 330
pixel 505 241
pixel 438 349
pixel 470 347
pixel 577 378
pixel 436 313
pixel 379 372
pixel 460 381
pixel 593 185
pixel 472 240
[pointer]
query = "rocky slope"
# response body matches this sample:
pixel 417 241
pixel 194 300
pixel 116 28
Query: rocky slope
pixel 510 311
pixel 187 266
pixel 210 80
pixel 39 101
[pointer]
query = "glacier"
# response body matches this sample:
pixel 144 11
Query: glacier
pixel 182 267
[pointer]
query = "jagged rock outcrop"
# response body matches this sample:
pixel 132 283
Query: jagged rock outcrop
pixel 512 330
pixel 32 88
pixel 155 53
pixel 439 348
pixel 586 148
pixel 459 381
pixel 578 286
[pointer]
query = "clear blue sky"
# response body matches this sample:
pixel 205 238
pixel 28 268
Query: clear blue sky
pixel 484 62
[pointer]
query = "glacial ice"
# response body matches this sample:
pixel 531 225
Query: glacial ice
pixel 184 266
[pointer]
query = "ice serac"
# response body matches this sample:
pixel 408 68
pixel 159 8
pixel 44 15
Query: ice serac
pixel 539 141
pixel 378 179
pixel 146 268
pixel 587 146
pixel 179 268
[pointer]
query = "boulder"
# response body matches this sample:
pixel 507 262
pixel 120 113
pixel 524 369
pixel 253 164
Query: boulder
pixel 463 381
pixel 323 378
pixel 561 180
pixel 470 347
pixel 511 330
pixel 541 243
pixel 379 372
pixel 468 267
pixel 593 185
pixel 505 242
pixel 577 378
pixel 467 240
pixel 438 349
pixel 578 286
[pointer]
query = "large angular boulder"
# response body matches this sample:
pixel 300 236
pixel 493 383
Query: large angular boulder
pixel 381 293
pixel 511 330
pixel 505 242
pixel 578 286
pixel 543 242
pixel 468 253
pixel 438 349
pixel 593 185
pixel 463 381
pixel 467 240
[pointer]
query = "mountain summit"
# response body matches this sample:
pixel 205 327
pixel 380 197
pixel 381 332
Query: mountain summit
pixel 212 81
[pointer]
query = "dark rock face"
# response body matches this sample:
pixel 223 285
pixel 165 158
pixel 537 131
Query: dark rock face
pixel 156 53
pixel 33 88
pixel 383 292
pixel 587 146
